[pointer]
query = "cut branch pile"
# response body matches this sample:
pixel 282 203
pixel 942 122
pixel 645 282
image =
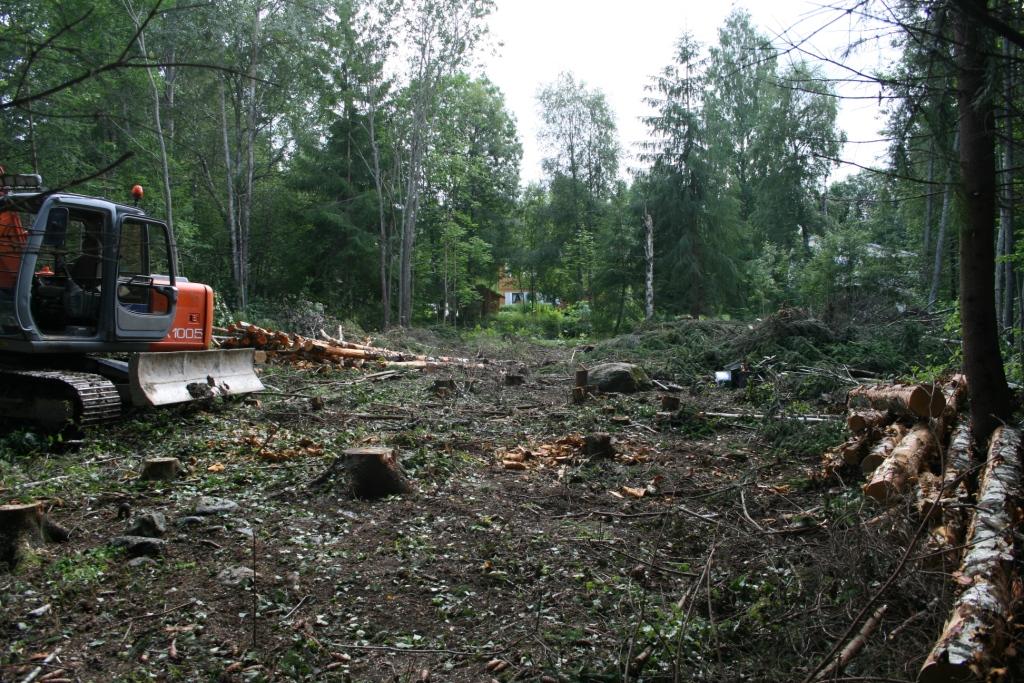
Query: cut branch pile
pixel 295 348
pixel 568 449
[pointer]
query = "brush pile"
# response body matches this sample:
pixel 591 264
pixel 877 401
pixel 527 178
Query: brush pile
pixel 294 348
pixel 913 445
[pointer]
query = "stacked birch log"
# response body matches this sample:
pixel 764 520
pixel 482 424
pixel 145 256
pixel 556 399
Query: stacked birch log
pixel 912 443
pixel 283 346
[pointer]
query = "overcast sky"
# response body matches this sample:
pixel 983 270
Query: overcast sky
pixel 616 45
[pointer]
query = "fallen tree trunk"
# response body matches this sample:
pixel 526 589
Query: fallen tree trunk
pixel 946 538
pixel 929 491
pixel 862 420
pixel 894 433
pixel 911 400
pixel 899 471
pixel 955 393
pixel 959 458
pixel 975 635
pixel 350 354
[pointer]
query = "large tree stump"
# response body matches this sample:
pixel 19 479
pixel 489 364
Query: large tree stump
pixel 375 472
pixel 580 389
pixel 514 380
pixel 911 400
pixel 444 387
pixel 975 634
pixel 21 525
pixel 598 445
pixel 160 469
pixel 669 403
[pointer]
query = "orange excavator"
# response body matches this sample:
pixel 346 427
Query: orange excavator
pixel 82 278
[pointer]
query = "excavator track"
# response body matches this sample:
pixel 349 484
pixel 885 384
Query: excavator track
pixel 44 397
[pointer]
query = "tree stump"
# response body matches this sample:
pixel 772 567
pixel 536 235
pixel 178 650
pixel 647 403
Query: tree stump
pixel 160 469
pixel 669 403
pixel 21 525
pixel 375 472
pixel 598 445
pixel 444 387
pixel 579 390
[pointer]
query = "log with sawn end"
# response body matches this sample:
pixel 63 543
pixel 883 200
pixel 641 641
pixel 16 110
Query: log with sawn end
pixel 893 434
pixel 899 470
pixel 911 400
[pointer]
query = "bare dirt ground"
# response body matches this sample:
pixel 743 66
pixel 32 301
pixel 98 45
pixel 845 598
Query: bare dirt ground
pixel 704 549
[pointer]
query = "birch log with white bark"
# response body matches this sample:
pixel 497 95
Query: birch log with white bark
pixel 976 633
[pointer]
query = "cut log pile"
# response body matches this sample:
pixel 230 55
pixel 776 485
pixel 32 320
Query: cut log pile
pixel 913 444
pixel 294 348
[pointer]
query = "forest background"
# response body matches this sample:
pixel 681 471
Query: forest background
pixel 349 156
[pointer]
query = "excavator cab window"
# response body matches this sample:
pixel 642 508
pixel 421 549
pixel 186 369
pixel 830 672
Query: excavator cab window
pixel 143 261
pixel 66 293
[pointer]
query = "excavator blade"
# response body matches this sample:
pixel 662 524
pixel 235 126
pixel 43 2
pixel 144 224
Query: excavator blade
pixel 162 378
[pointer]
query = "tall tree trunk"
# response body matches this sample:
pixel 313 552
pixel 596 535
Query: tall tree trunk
pixel 164 164
pixel 247 196
pixel 622 308
pixel 649 266
pixel 983 364
pixel 32 141
pixel 1006 207
pixel 411 208
pixel 940 240
pixel 385 255
pixel 229 178
pixel 417 140
pixel 929 202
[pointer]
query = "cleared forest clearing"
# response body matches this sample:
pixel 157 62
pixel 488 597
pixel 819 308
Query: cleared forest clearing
pixel 698 547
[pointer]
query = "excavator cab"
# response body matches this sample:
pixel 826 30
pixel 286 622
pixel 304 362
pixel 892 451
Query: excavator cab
pixel 82 276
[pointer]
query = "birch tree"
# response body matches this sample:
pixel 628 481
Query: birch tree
pixel 441 36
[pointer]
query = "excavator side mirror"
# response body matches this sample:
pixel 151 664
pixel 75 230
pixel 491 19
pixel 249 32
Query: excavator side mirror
pixel 56 228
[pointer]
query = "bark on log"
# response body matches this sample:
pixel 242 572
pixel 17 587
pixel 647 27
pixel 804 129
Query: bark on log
pixel 945 539
pixel 955 393
pixel 975 635
pixel 929 490
pixel 160 469
pixel 893 434
pixel 375 472
pixel 20 525
pixel 959 459
pixel 898 472
pixel 912 400
pixel 861 420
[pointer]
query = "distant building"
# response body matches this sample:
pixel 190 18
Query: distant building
pixel 513 292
